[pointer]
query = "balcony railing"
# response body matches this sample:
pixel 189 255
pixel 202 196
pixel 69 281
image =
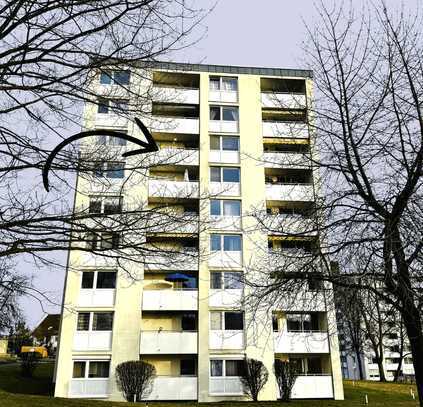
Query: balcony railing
pixel 225 188
pixel 104 297
pixel 173 189
pixel 174 388
pixel 92 340
pixel 226 96
pixel 301 342
pixel 185 260
pixel 223 126
pixel 225 157
pixel 285 130
pixel 169 94
pixel 288 224
pixel 283 100
pixel 162 342
pixel 223 259
pixel 227 386
pixel 225 298
pixel 175 156
pixel 180 125
pixel 225 222
pixel 290 192
pixel 313 387
pixel 286 160
pixel 226 339
pixel 173 223
pixel 170 300
pixel 90 388
pixel 111 120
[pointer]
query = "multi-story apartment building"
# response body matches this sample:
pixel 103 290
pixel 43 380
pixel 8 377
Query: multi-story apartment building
pixel 243 134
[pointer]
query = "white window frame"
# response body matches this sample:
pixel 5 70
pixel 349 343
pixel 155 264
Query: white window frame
pixel 222 320
pixel 91 320
pixel 111 73
pixel 103 199
pixel 221 107
pixel 222 242
pixel 221 80
pixel 103 168
pixel 223 366
pixel 87 368
pixel 111 104
pixel 222 280
pixel 221 137
pixel 221 174
pixel 96 271
pixel 221 205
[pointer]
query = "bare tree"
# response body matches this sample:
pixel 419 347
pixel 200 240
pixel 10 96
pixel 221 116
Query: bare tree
pixel 254 377
pixel 135 378
pixel 286 374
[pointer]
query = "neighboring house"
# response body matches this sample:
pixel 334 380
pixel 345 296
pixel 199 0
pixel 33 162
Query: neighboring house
pixel 3 345
pixel 241 135
pixel 46 333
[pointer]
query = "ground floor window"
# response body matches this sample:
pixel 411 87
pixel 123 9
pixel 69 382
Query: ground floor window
pixel 226 368
pixel 83 369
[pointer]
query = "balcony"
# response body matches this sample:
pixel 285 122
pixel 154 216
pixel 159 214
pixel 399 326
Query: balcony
pixel 225 259
pixel 172 189
pixel 104 297
pixel 225 157
pixel 225 298
pixel 92 340
pixel 226 339
pixel 223 126
pixel 313 387
pixel 286 160
pixel 301 342
pixel 169 94
pixel 283 100
pixel 226 96
pixel 186 222
pixel 170 300
pixel 302 301
pixel 294 130
pixel 225 188
pixel 89 388
pixel 178 125
pixel 186 260
pixel 289 224
pixel 226 386
pixel 168 342
pixel 175 156
pixel 110 120
pixel 290 192
pixel 225 222
pixel 174 388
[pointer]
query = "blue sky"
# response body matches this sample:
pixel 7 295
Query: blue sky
pixel 253 33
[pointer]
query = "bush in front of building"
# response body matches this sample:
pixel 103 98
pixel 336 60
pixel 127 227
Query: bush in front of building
pixel 135 379
pixel 29 362
pixel 254 377
pixel 286 374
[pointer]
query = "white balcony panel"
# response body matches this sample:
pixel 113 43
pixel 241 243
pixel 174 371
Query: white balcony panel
pixel 224 259
pixel 225 222
pixel 226 339
pixel 225 298
pixel 173 223
pixel 290 192
pixel 289 224
pixel 175 261
pixel 283 100
pixel 301 342
pixel 88 259
pixel 182 125
pixel 175 156
pixel 110 120
pixel 170 300
pixel 301 301
pixel 225 157
pixel 92 340
pixel 225 188
pixel 227 96
pixel 285 130
pixel 90 388
pixel 223 126
pixel 286 160
pixel 313 387
pixel 226 386
pixel 101 185
pixel 104 297
pixel 174 388
pixel 167 94
pixel 168 342
pixel 172 189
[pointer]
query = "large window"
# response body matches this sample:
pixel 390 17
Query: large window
pixel 226 320
pixel 226 113
pixel 189 322
pixel 228 368
pixel 102 240
pixel 98 279
pixel 110 169
pixel 226 280
pixel 227 243
pixel 118 77
pixel 224 174
pixel 225 207
pixel 226 83
pixel 108 205
pixel 95 321
pixel 188 367
pixel 83 369
pixel 302 322
pixel 109 106
pixel 111 141
pixel 224 143
pixel 311 365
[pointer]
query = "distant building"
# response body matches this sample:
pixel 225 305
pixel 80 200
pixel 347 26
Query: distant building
pixel 46 333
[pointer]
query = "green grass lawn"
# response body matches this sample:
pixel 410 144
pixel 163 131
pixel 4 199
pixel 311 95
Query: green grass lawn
pixel 16 391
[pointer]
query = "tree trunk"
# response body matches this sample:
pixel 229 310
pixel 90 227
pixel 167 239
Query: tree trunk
pixel 360 365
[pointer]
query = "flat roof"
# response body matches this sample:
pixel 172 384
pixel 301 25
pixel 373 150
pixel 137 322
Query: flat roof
pixel 251 70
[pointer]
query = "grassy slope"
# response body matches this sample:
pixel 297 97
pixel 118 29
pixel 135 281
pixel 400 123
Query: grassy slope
pixel 16 391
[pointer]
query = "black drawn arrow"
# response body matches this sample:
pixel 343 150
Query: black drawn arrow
pixel 147 147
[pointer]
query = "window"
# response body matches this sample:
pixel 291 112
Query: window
pixel 115 77
pixel 314 284
pixel 87 279
pixel 79 370
pixel 108 106
pixel 230 243
pixel 109 240
pixel 302 322
pixel 95 321
pixel 275 325
pixel 111 169
pixel 108 205
pixel 224 174
pixel 98 369
pixel 226 320
pixel 220 207
pixel 98 279
pixel 111 141
pixel 228 368
pixel 227 280
pixel 224 143
pixel 188 367
pixel 189 322
pixel 227 113
pixel 225 83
